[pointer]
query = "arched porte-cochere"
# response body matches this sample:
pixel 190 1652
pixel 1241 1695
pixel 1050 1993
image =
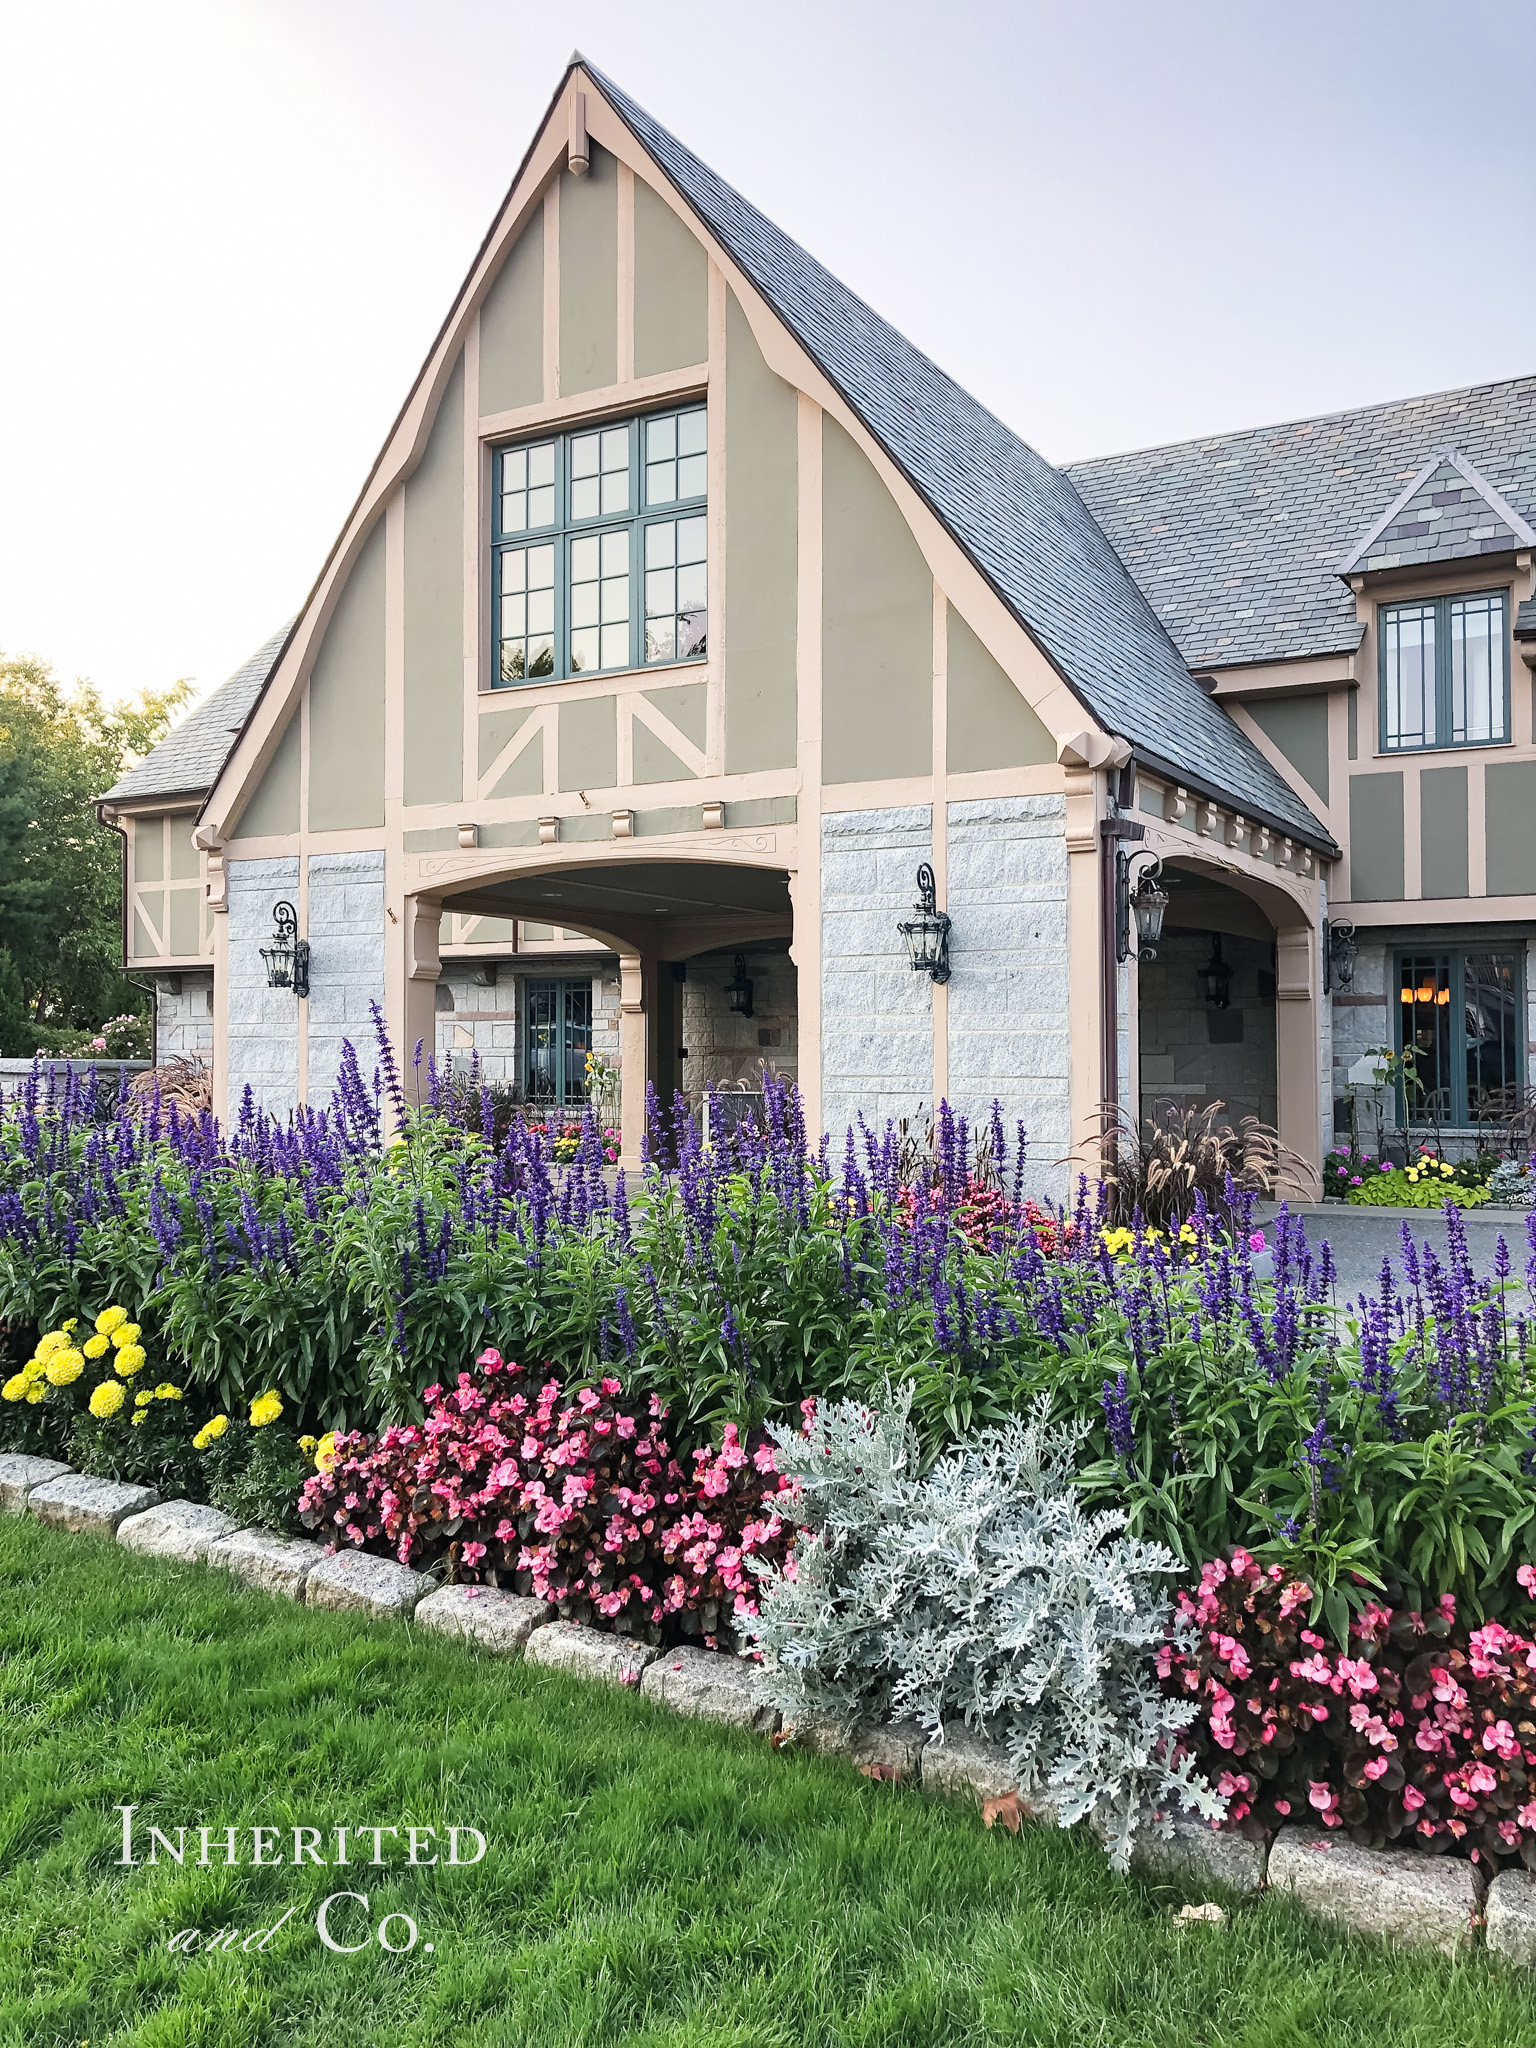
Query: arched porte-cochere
pixel 658 908
pixel 1230 1010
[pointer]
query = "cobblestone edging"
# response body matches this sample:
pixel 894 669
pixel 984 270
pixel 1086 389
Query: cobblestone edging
pixel 1395 1894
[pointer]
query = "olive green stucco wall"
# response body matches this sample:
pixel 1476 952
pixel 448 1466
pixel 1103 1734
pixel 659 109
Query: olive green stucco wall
pixel 589 746
pixel 1443 832
pixel 1376 837
pixel 524 775
pixel 273 812
pixel 876 626
pixel 988 724
pixel 1510 809
pixel 512 326
pixel 761 555
pixel 182 938
pixel 671 289
pixel 1299 728
pixel 434 609
pixel 184 865
pixel 346 703
pixel 687 706
pixel 589 276
pixel 149 849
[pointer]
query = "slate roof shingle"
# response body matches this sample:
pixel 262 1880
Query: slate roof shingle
pixel 1021 521
pixel 188 760
pixel 1237 538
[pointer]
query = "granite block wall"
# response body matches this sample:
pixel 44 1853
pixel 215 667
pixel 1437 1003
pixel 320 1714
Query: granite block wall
pixel 346 965
pixel 263 1022
pixel 876 1014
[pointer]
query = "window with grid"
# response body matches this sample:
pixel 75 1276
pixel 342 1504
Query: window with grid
pixel 601 549
pixel 1459 1013
pixel 1445 673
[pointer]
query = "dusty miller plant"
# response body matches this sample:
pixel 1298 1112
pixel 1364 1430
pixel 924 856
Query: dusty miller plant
pixel 980 1591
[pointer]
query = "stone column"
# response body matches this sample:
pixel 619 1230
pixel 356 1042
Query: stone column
pixel 411 970
pixel 637 1012
pixel 1298 996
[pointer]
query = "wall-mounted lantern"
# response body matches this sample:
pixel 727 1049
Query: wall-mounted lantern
pixel 1143 898
pixel 287 957
pixel 1216 976
pixel 1340 953
pixel 927 934
pixel 739 988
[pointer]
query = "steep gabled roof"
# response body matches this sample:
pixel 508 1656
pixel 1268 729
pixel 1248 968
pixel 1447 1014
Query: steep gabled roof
pixel 188 760
pixel 1237 538
pixel 1021 521
pixel 1447 513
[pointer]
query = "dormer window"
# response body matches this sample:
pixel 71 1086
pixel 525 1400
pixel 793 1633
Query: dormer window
pixel 600 544
pixel 1445 672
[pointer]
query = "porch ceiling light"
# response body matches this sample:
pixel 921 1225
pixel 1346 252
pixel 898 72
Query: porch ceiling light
pixel 1340 953
pixel 1139 896
pixel 1216 977
pixel 287 958
pixel 927 934
pixel 739 988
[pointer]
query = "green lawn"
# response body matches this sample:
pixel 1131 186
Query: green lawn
pixel 648 1881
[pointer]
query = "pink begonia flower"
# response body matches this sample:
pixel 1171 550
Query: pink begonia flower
pixel 1282 1806
pixel 472 1553
pixel 1447 1606
pixel 1413 1798
pixel 1256 1241
pixel 1377 1767
pixel 1526 1577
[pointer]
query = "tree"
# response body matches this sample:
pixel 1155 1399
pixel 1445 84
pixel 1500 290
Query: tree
pixel 60 868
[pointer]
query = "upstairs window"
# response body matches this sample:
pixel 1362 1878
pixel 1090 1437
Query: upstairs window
pixel 1445 673
pixel 601 549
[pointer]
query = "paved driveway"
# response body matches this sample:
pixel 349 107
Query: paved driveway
pixel 1362 1237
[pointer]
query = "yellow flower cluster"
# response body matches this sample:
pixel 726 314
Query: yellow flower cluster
pixel 1432 1170
pixel 325 1452
pixel 1120 1242
pixel 210 1432
pixel 266 1408
pixel 59 1361
pixel 147 1396
pixel 107 1399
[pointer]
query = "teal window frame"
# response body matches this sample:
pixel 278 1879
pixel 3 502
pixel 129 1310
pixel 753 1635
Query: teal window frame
pixel 1430 962
pixel 569 533
pixel 1442 611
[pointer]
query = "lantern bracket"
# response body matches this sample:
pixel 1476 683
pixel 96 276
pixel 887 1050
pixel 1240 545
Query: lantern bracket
pixel 927 933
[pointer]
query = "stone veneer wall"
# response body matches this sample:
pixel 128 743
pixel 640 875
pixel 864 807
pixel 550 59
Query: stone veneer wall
pixel 474 1018
pixel 346 964
pixel 1181 1062
pixel 184 1017
pixel 725 1047
pixel 876 1014
pixel 1009 990
pixel 263 1022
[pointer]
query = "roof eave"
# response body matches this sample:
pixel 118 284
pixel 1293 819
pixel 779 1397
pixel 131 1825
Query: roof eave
pixel 1318 840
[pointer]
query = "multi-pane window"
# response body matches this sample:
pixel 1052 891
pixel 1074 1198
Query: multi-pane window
pixel 1444 673
pixel 1459 1012
pixel 557 1041
pixel 602 544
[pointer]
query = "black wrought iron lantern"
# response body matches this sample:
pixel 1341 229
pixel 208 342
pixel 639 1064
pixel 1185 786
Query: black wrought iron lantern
pixel 1340 953
pixel 1140 898
pixel 287 958
pixel 739 988
pixel 1216 977
pixel 927 934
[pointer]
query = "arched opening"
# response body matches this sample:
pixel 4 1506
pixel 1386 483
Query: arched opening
pixel 1207 1004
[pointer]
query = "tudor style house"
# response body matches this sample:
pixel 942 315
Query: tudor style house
pixel 689 612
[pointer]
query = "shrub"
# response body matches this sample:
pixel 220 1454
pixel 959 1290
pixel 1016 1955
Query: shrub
pixel 254 1468
pixel 1423 1730
pixel 573 1497
pixel 143 1438
pixel 980 1591
pixel 1182 1157
pixel 1427 1184
pixel 1514 1183
pixel 81 1372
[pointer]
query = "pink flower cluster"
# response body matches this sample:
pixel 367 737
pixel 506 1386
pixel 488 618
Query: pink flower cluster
pixel 1424 1729
pixel 574 1497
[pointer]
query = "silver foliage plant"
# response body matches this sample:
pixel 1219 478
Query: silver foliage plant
pixel 980 1591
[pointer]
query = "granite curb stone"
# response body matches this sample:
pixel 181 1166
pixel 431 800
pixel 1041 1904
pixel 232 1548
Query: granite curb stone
pixel 1199 1854
pixel 1512 1917
pixel 1399 1894
pixel 176 1528
pixel 271 1563
pixel 962 1763
pixel 86 1506
pixel 567 1646
pixel 889 1748
pixel 356 1582
pixel 498 1622
pixel 709 1685
pixel 18 1476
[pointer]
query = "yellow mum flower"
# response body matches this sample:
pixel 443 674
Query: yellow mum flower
pixel 55 1340
pixel 142 1400
pixel 35 1393
pixel 93 1347
pixel 139 1415
pixel 107 1399
pixel 266 1408
pixel 210 1432
pixel 16 1387
pixel 65 1367
pixel 67 1327
pixel 111 1319
pixel 125 1334
pixel 325 1452
pixel 307 1443
pixel 129 1359
pixel 166 1392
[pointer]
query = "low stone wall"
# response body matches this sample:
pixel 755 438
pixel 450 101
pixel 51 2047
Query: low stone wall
pixel 1397 1895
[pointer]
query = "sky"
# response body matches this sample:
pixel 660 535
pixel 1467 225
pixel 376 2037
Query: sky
pixel 229 230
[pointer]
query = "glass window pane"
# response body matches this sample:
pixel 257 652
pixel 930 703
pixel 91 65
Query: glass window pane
pixel 541 657
pixel 616 448
pixel 1408 675
pixel 514 617
pixel 541 463
pixel 615 599
pixel 513 662
pixel 659 639
pixel 692 476
pixel 1424 1027
pixel 584 454
pixel 660 439
pixel 541 507
pixel 1491 988
pixel 690 433
pixel 692 539
pixel 692 587
pixel 541 568
pixel 693 635
pixel 615 554
pixel 514 469
pixel 660 594
pixel 584 604
pixel 514 564
pixel 584 651
pixel 1477 669
pixel 586 502
pixel 661 483
pixel 615 494
pixel 615 647
pixel 658 545
pixel 584 558
pixel 514 513
pixel 541 611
